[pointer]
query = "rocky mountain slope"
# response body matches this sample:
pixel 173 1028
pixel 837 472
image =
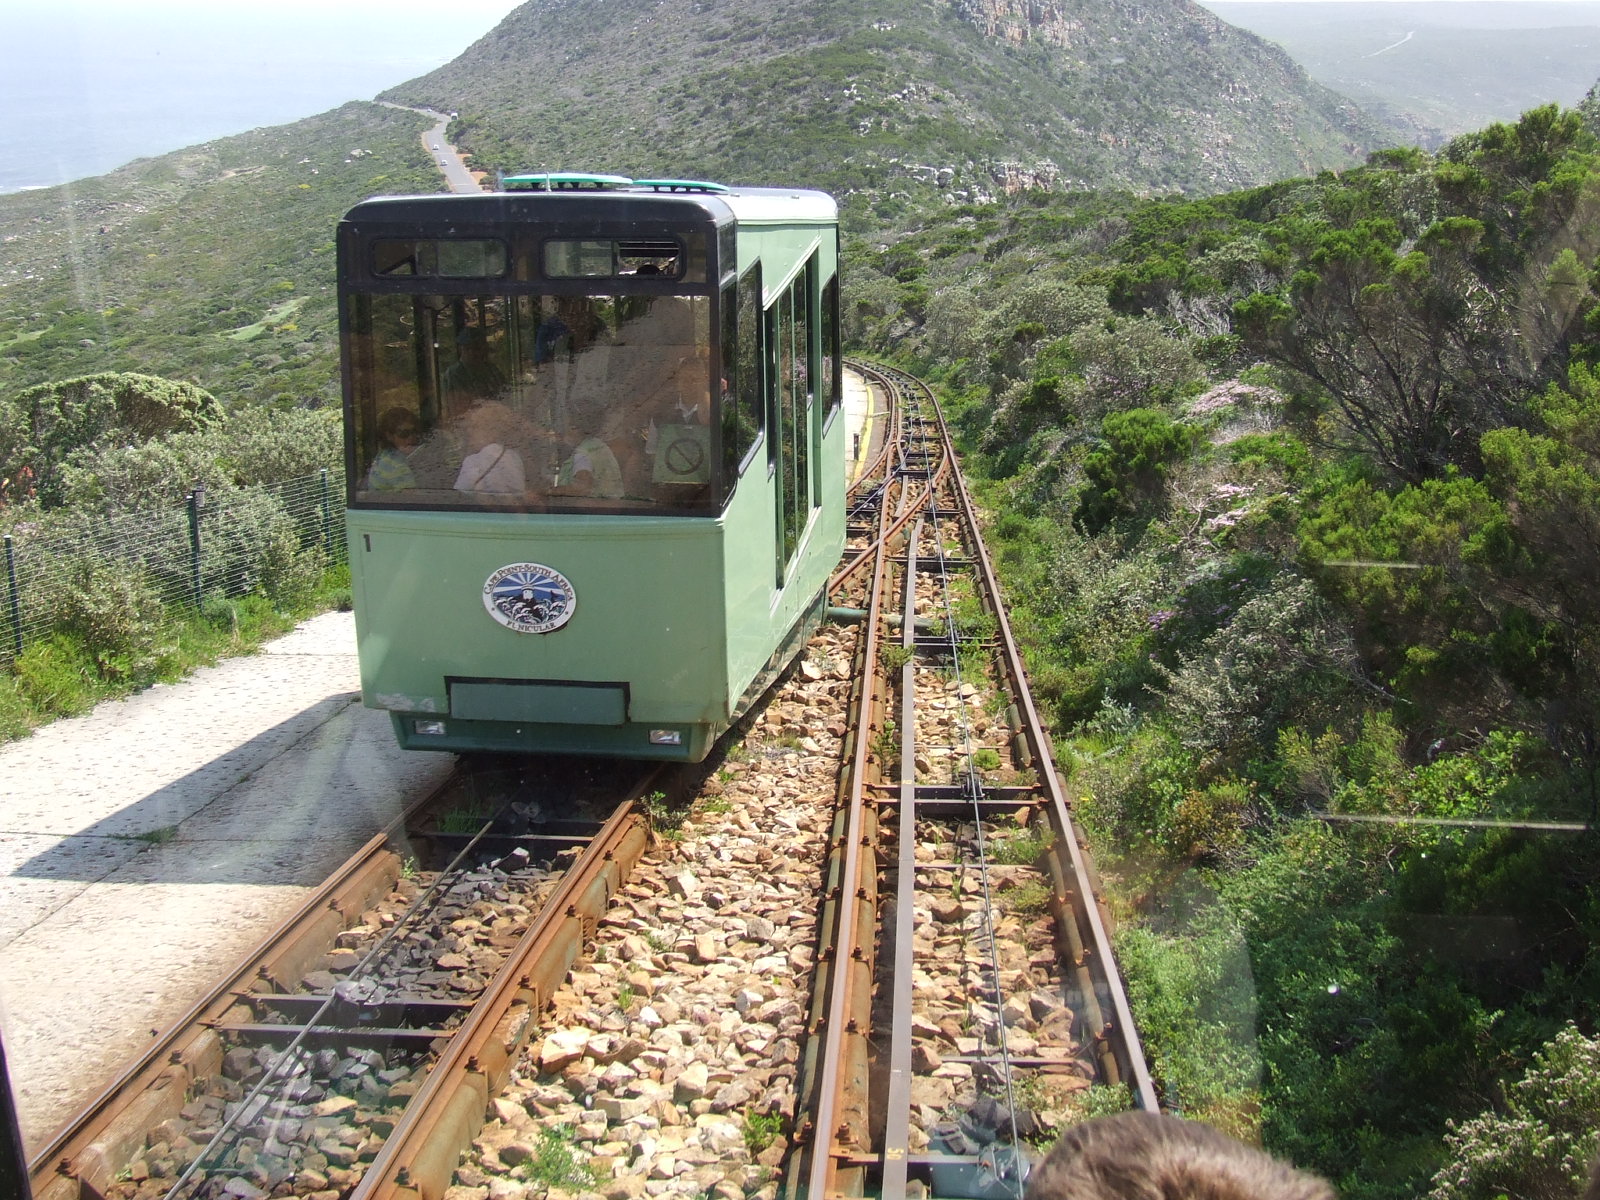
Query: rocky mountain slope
pixel 966 96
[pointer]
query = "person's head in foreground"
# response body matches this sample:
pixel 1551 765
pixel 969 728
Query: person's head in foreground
pixel 1143 1156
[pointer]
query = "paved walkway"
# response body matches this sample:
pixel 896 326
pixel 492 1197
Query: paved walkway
pixel 191 815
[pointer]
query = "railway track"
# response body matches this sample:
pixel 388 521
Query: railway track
pixel 329 1058
pixel 886 883
pixel 953 844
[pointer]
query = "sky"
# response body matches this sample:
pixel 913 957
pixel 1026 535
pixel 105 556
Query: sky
pixel 88 85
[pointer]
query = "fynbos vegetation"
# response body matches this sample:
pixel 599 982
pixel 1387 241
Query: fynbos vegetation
pixel 1296 494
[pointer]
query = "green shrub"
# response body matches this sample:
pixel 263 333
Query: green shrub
pixel 1126 473
pixel 1133 794
pixel 16 716
pixel 1131 364
pixel 1210 822
pixel 1195 995
pixel 1541 1145
pixel 250 543
pixel 1243 680
pixel 41 427
pixel 116 615
pixel 252 446
pixel 220 612
pixel 289 572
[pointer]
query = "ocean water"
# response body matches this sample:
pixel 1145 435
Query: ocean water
pixel 85 89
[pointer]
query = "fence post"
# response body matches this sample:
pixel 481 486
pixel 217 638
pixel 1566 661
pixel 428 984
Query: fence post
pixel 16 601
pixel 327 518
pixel 196 499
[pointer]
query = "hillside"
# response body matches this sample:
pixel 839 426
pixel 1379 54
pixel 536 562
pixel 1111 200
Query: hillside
pixel 969 96
pixel 212 264
pixel 1441 67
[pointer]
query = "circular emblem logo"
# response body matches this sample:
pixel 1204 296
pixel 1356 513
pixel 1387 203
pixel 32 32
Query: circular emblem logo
pixel 529 598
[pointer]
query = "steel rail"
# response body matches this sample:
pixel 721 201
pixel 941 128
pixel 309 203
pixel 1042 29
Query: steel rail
pixel 972 783
pixel 896 1152
pixel 838 1159
pixel 835 1076
pixel 311 1031
pixel 808 1083
pixel 1074 896
pixel 419 1157
pixel 894 442
pixel 842 1118
pixel 866 555
pixel 838 1163
pixel 85 1154
pixel 897 1117
pixel 1079 894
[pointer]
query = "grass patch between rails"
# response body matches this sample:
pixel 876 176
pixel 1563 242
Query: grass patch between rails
pixel 894 658
pixel 760 1130
pixel 469 818
pixel 1030 898
pixel 1020 849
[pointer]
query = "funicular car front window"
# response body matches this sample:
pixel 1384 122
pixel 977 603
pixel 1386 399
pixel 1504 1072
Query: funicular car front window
pixel 599 401
pixel 454 258
pixel 676 258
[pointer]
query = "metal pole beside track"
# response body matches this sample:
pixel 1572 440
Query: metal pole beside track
pixel 195 498
pixel 327 518
pixel 16 600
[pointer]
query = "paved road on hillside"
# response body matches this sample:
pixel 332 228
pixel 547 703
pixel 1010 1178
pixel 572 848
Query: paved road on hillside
pixel 450 163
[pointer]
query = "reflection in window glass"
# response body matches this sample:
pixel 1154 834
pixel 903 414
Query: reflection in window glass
pixel 786 428
pixel 790 450
pixel 829 392
pixel 532 401
pixel 742 409
pixel 461 258
pixel 574 258
pixel 800 394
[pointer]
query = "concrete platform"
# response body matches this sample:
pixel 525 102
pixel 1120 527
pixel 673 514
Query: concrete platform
pixel 146 846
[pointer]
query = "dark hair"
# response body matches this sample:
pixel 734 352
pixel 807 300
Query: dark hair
pixel 1592 1192
pixel 396 422
pixel 1145 1156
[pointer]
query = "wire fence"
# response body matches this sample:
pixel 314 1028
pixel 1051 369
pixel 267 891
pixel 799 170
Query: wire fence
pixel 227 544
